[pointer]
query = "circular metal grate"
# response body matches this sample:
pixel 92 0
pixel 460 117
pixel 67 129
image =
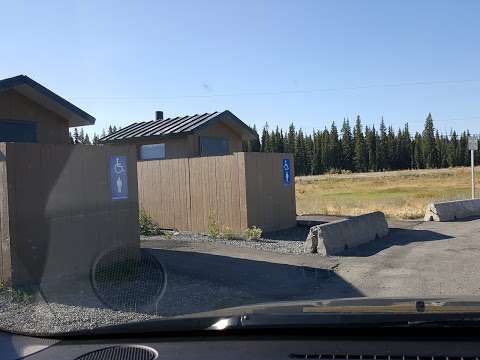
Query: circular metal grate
pixel 128 278
pixel 120 353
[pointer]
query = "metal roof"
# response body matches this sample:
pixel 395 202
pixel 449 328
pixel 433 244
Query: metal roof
pixel 48 99
pixel 181 125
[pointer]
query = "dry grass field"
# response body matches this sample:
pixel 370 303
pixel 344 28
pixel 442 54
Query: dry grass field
pixel 399 194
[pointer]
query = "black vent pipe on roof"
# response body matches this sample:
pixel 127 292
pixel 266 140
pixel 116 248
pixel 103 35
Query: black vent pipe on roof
pixel 158 115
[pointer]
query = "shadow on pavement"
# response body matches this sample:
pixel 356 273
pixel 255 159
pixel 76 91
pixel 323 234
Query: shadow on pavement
pixel 396 237
pixel 197 282
pixel 202 282
pixel 466 219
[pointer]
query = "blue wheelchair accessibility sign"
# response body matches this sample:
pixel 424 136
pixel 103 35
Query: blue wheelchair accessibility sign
pixel 287 174
pixel 119 177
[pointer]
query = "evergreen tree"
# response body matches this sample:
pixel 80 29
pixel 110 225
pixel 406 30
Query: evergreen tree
pixel 270 142
pixel 309 155
pixel 95 140
pixel 317 166
pixel 405 149
pixel 325 147
pixel 452 151
pixel 86 140
pixel 254 145
pixel 76 136
pixel 301 161
pixel 360 149
pixel 441 150
pixel 277 141
pixel 290 141
pixel 265 138
pixel 271 146
pixel 382 149
pixel 81 137
pixel 428 144
pixel 392 149
pixel 371 140
pixel 418 159
pixel 347 145
pixel 334 149
pixel 463 156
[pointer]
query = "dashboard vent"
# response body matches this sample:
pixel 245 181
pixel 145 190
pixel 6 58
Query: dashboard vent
pixel 120 353
pixel 376 357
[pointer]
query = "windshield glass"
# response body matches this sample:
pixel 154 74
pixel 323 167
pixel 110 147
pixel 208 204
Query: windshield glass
pixel 172 159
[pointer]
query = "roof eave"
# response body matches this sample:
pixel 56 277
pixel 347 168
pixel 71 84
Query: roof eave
pixel 48 99
pixel 245 131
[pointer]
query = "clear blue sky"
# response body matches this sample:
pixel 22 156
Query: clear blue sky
pixel 310 62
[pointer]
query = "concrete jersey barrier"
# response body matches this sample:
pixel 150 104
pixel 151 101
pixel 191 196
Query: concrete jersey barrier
pixel 452 210
pixel 338 236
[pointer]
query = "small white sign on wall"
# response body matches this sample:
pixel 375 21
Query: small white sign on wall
pixel 119 177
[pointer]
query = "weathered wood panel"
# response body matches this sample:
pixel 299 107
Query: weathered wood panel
pixel 5 262
pixel 271 204
pixel 236 191
pixel 61 214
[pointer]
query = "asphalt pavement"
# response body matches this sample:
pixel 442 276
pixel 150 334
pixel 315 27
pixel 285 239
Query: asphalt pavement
pixel 416 259
pixel 429 259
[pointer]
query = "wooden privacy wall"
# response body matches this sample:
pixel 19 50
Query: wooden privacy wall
pixel 236 191
pixel 58 213
pixel 5 261
pixel 271 204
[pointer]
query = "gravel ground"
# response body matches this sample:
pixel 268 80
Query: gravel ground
pixel 290 241
pixel 39 317
pixel 74 306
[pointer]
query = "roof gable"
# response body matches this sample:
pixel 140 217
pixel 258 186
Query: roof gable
pixel 178 126
pixel 48 99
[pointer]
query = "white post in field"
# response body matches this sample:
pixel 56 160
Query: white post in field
pixel 473 174
pixel 473 146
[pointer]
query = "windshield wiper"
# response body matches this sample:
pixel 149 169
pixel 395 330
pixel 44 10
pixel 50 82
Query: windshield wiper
pixel 361 320
pixel 454 322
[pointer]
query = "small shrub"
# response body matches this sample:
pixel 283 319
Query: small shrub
pixel 253 233
pixel 22 297
pixel 16 295
pixel 213 229
pixel 168 235
pixel 229 234
pixel 147 225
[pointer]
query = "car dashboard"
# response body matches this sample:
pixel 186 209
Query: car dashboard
pixel 426 344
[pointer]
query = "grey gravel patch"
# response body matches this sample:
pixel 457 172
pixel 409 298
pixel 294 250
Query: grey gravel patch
pixel 45 318
pixel 73 306
pixel 76 307
pixel 290 241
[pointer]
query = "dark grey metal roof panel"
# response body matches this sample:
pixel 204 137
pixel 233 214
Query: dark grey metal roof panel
pixel 123 132
pixel 200 122
pixel 172 126
pixel 190 122
pixel 167 125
